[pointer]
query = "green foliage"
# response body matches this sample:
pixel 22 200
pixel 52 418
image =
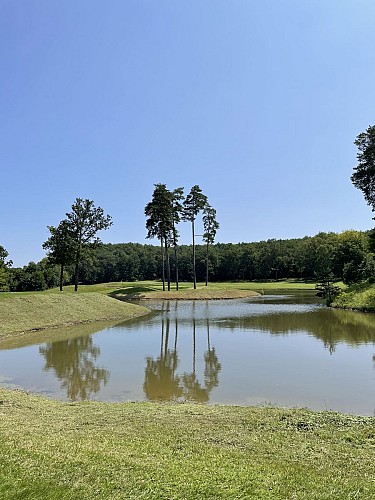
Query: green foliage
pixel 265 260
pixel 347 255
pixel 361 297
pixel 194 203
pixel 210 226
pixel 328 290
pixel 34 277
pixel 4 270
pixel 83 223
pixel 363 177
pixel 162 213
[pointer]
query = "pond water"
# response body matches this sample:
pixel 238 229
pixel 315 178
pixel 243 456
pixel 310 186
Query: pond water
pixel 287 350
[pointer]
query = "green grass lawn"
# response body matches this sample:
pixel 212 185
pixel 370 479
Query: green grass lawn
pixel 131 287
pixel 37 311
pixel 53 450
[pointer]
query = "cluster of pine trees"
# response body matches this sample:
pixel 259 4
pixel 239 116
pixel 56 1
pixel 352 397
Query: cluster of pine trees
pixel 165 211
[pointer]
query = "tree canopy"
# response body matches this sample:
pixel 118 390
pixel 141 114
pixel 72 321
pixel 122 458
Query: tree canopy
pixel 363 177
pixel 84 221
pixel 4 267
pixel 60 246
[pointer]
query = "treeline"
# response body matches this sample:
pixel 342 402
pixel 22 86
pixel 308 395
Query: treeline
pixel 345 256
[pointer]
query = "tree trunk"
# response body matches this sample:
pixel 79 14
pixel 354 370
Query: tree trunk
pixel 61 277
pixel 168 265
pixel 76 277
pixel 78 258
pixel 194 275
pixel 76 272
pixel 163 268
pixel 207 264
pixel 176 261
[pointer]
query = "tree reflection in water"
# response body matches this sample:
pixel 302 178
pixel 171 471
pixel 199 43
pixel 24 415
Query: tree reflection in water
pixel 161 382
pixel 211 363
pixel 73 361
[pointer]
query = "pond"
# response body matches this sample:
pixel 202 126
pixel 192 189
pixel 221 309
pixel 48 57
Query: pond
pixel 281 349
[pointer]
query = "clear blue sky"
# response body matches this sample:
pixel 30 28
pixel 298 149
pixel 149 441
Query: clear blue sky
pixel 258 102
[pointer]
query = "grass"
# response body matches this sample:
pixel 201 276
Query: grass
pixel 51 450
pixel 201 293
pixel 141 287
pixel 38 311
pixel 131 287
pixel 360 297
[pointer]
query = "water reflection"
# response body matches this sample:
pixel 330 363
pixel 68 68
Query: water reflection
pixel 288 350
pixel 161 382
pixel 330 326
pixel 73 362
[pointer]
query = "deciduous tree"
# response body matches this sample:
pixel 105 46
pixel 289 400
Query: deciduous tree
pixel 84 221
pixel 4 266
pixel 61 247
pixel 363 177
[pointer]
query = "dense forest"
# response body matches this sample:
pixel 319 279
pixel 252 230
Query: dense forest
pixel 345 256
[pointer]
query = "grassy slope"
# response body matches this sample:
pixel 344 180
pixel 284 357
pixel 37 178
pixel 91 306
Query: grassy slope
pixel 360 297
pixel 59 451
pixel 35 311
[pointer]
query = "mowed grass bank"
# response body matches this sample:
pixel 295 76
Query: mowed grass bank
pixel 22 313
pixel 215 290
pixel 53 450
pixel 143 287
